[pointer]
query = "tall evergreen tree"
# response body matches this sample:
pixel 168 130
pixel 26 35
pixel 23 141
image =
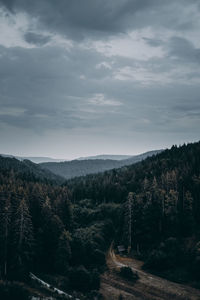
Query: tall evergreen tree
pixel 63 253
pixel 5 222
pixel 23 240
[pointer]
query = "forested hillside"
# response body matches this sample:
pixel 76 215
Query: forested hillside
pixel 42 232
pixel 75 168
pixel 160 200
pixel 27 170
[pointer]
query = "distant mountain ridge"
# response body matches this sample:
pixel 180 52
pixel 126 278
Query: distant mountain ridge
pixel 46 159
pixel 56 169
pixel 106 156
pixel 34 159
pixel 76 168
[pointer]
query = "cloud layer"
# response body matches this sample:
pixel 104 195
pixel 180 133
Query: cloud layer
pixel 98 76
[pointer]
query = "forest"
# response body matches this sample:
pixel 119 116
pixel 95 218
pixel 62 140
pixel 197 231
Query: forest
pixel 61 231
pixel 160 201
pixel 42 232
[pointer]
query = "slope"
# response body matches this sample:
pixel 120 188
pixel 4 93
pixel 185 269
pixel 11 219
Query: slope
pixel 27 169
pixel 160 208
pixel 75 168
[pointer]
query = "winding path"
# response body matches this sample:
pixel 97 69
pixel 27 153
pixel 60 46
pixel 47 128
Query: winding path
pixel 148 287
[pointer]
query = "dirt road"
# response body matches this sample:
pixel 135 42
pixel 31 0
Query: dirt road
pixel 148 287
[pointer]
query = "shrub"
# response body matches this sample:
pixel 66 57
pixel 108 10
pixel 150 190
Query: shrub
pixel 156 260
pixel 195 265
pixel 127 273
pixel 99 257
pixel 95 279
pixel 168 254
pixel 79 279
pixel 10 291
pixel 83 280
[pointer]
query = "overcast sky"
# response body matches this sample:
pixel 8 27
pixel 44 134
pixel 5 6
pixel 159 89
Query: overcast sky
pixel 86 77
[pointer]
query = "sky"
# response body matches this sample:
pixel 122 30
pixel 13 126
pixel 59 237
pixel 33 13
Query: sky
pixel 87 77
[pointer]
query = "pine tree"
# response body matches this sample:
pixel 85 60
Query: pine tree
pixel 63 208
pixel 5 221
pixel 128 224
pixel 187 216
pixel 51 229
pixel 23 240
pixel 63 253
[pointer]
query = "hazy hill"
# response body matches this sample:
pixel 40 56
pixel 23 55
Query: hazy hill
pixel 75 168
pixel 35 159
pixel 136 158
pixel 27 169
pixel 106 156
pixel 45 159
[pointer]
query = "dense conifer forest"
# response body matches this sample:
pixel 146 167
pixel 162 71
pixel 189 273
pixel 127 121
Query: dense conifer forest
pixel 160 201
pixel 42 232
pixel 63 230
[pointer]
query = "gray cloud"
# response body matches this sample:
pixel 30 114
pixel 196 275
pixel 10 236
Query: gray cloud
pixel 153 42
pixel 36 39
pixel 44 84
pixel 184 49
pixel 82 19
pixel 104 76
pixel 47 84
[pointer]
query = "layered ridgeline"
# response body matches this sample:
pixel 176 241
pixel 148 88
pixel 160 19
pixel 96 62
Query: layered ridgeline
pixel 92 165
pixel 35 159
pixel 160 201
pixel 106 156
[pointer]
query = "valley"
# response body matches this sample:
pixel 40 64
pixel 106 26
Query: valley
pixel 61 230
